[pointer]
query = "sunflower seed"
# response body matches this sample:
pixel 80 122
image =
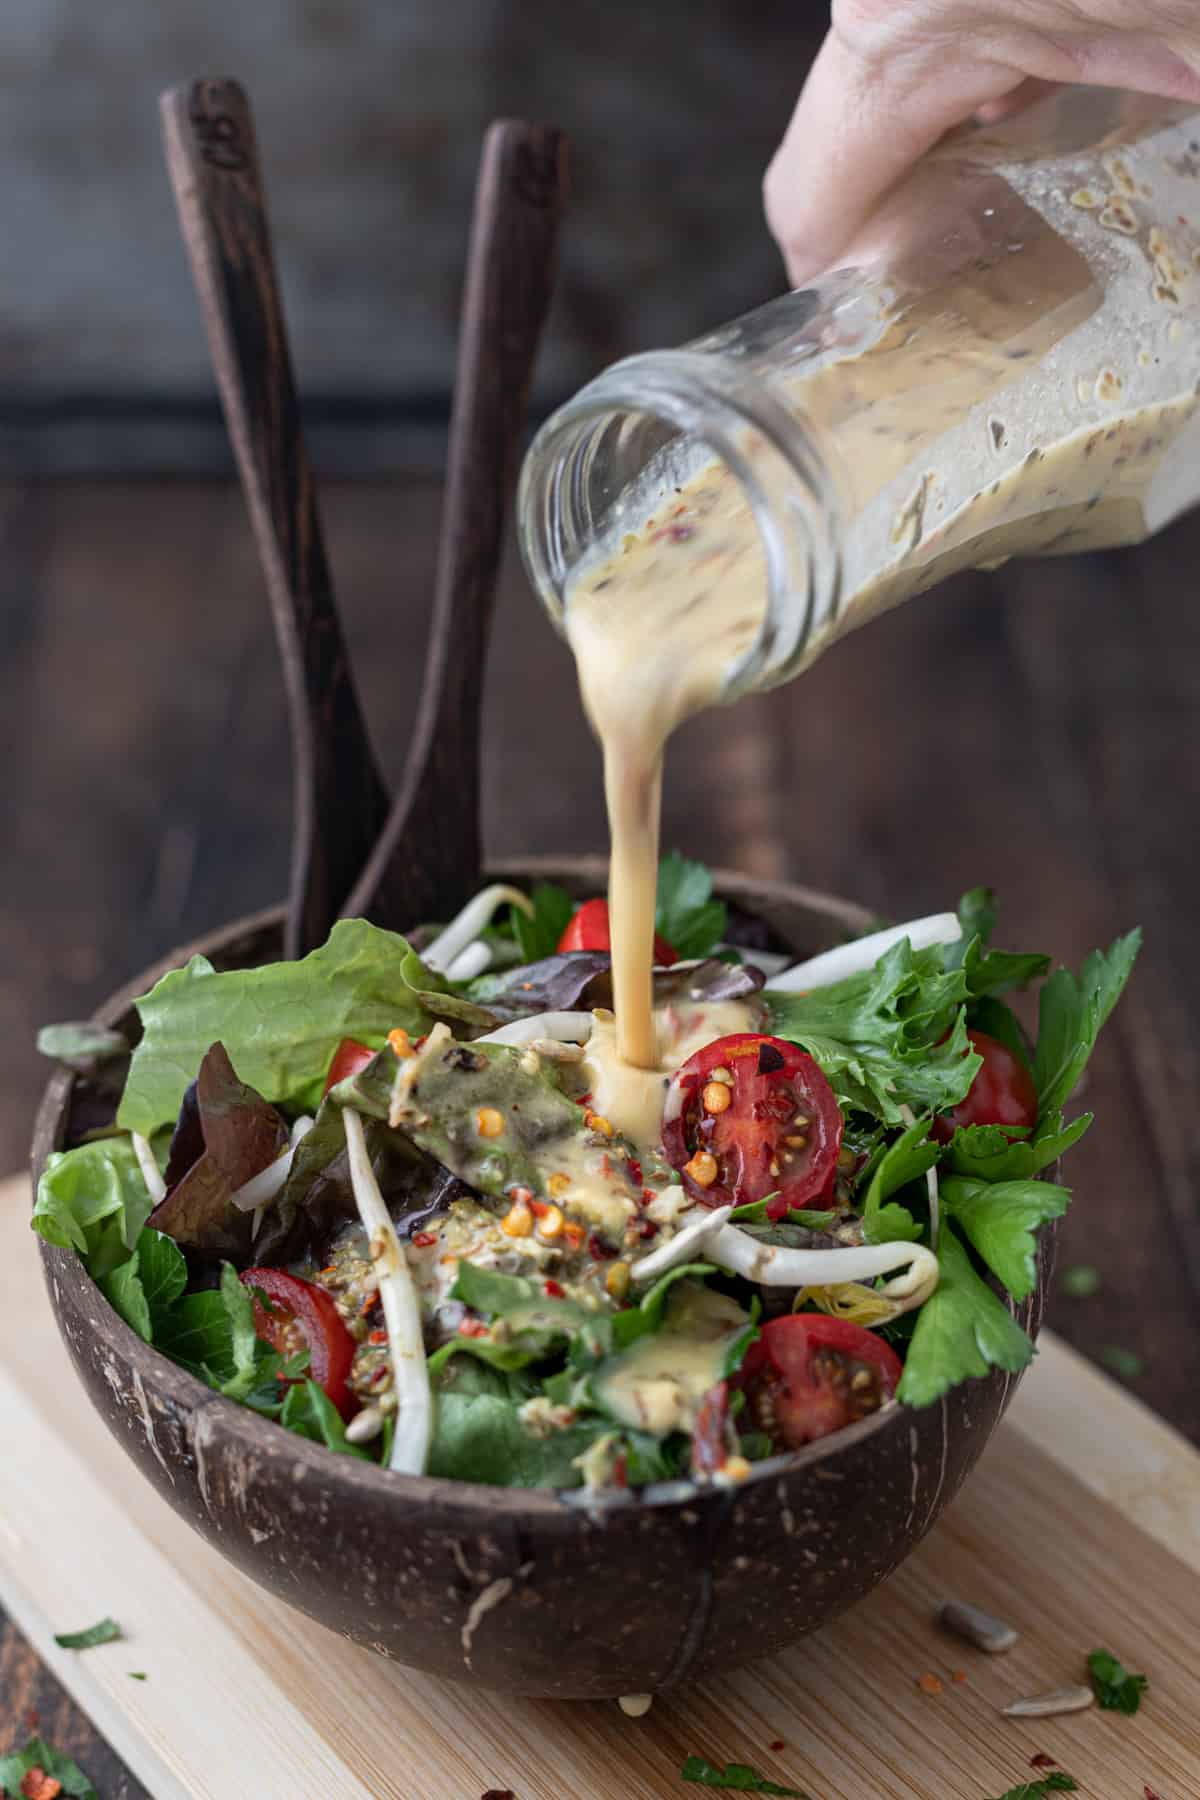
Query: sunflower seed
pixel 1045 1706
pixel 636 1706
pixel 365 1425
pixel 978 1628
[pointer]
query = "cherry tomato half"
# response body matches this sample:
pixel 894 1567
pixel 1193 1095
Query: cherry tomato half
pixel 589 930
pixel 772 1127
pixel 349 1057
pixel 808 1374
pixel 304 1316
pixel 1002 1092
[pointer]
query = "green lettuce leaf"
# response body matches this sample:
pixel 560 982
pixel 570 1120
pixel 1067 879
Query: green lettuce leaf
pixel 479 1436
pixel 280 1023
pixel 105 1631
pixel 1071 1012
pixel 144 1289
pixel 739 1778
pixel 94 1199
pixel 211 1334
pixel 962 1331
pixel 686 914
pixel 891 1036
pixel 1000 1219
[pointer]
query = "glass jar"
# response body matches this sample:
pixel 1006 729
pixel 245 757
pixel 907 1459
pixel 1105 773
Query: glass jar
pixel 1011 366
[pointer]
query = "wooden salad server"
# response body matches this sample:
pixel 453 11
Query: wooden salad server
pixel 339 798
pixel 427 861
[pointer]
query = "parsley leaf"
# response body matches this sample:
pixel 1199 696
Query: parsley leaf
pixel 1114 1686
pixel 962 1330
pixel 538 936
pixel 1000 1219
pixel 988 971
pixel 740 1777
pixel 106 1631
pixel 906 1160
pixel 992 1153
pixel 887 1037
pixel 1056 1783
pixel 686 914
pixel 1070 1014
pixel 38 1754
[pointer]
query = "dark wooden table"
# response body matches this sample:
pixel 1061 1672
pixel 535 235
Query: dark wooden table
pixel 1035 729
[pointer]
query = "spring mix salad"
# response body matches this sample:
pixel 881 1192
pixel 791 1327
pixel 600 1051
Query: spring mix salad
pixel 409 1203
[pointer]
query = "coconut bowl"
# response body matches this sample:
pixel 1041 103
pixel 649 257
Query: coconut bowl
pixel 531 1592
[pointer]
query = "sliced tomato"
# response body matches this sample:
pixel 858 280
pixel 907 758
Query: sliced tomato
pixel 1002 1092
pixel 589 930
pixel 807 1375
pixel 778 1134
pixel 349 1057
pixel 303 1316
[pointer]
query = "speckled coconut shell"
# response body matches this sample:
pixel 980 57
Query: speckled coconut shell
pixel 531 1592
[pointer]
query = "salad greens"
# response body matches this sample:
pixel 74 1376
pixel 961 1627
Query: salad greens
pixel 576 1315
pixel 279 1023
pixel 738 1778
pixel 39 1756
pixel 1113 1685
pixel 105 1631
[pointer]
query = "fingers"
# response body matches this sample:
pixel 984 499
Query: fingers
pixel 857 129
pixel 1028 94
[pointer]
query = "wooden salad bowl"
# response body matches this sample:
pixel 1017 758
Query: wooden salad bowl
pixel 528 1591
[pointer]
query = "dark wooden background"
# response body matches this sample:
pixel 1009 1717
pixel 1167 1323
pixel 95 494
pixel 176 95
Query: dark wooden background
pixel 1036 729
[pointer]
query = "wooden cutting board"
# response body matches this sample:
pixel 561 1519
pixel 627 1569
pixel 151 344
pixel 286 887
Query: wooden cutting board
pixel 1081 1527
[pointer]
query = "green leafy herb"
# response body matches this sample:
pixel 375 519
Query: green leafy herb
pixel 1070 1014
pixel 280 1023
pixel 1115 1687
pixel 137 1674
pixel 479 1435
pixel 94 1199
pixel 211 1334
pixel 908 1159
pixel 38 1754
pixel 1000 1219
pixel 1055 1783
pixel 106 1631
pixel 995 1153
pixel 1080 1281
pixel 538 936
pixel 1127 1365
pixel 308 1411
pixel 535 1323
pixel 988 971
pixel 687 915
pixel 888 1037
pixel 739 1777
pixel 963 1330
pixel 811 1218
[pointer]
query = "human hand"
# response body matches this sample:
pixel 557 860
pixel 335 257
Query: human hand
pixel 894 75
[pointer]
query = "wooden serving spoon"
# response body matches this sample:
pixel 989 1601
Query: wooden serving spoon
pixel 427 860
pixel 339 798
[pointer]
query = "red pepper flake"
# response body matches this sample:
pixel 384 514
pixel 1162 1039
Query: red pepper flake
pixel 606 1164
pixel 379 1375
pixel 370 1302
pixel 959 1675
pixel 377 1337
pixel 635 1171
pixel 37 1785
pixel 473 1328
pixel 679 534
pixel 498 1794
pixel 584 1100
pixel 1148 1792
pixel 930 1684
pixel 598 1250
pixel 1040 1760
pixel 777 1744
pixel 33 1719
pixel 647 1228
pixel 423 1239
pixel 621 1471
pixel 555 1289
pixel 331 1270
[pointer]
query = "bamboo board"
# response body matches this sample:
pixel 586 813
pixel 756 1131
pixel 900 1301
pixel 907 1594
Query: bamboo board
pixel 1081 1526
